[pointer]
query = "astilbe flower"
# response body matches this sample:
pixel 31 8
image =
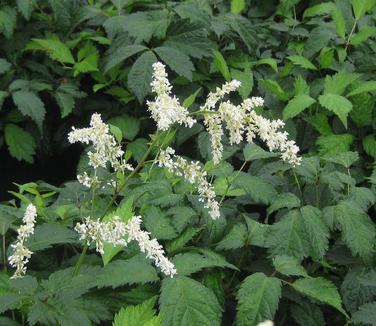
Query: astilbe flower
pixel 166 109
pixel 119 233
pixel 194 174
pixel 21 254
pixel 106 150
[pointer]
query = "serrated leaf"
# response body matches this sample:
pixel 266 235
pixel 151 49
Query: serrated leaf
pixel 31 105
pixel 158 224
pixel 258 299
pixel 8 20
pixel 358 230
pixel 46 235
pixel 297 105
pixel 331 145
pixel 140 315
pixel 284 200
pixel 301 61
pixel 186 302
pixel 345 159
pixel 121 54
pixel 307 314
pixel 140 75
pixel 26 7
pixel 191 98
pixel 319 9
pixel 275 88
pixel 320 289
pixel 192 262
pixel 128 125
pixel 182 239
pixel 246 79
pixel 364 34
pixel 337 83
pixel 20 143
pixel 235 238
pixel 56 49
pixel 272 63
pixel 176 60
pixel 288 266
pixel 360 7
pixel 4 65
pixel 260 190
pixel 369 145
pixel 367 86
pixel 132 271
pixel 253 152
pixel 365 315
pixel 337 104
pixel 221 65
pixel 339 21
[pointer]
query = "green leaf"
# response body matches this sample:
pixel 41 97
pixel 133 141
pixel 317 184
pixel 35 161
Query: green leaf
pixel 297 105
pixel 65 96
pixel 320 289
pixel 345 159
pixel 358 230
pixel 331 145
pixel 26 7
pixel 186 236
pixel 158 224
pixel 340 22
pixel 369 145
pixel 8 20
pixel 191 98
pixel 299 233
pixel 258 299
pixel 362 111
pixel 360 7
pixel 46 235
pixel 367 86
pixel 3 96
pixel 129 126
pixel 260 190
pixel 324 8
pixel 253 152
pixel 237 6
pixel 192 262
pixel 288 266
pixel 326 57
pixel 275 88
pixel 140 315
pixel 136 270
pixel 307 314
pixel 119 4
pixel 4 65
pixel 365 315
pixel 246 79
pixel 20 143
pixel 56 49
pixel 140 75
pixel 30 104
pixel 272 63
pixel 337 104
pixel 121 54
pixel 235 238
pixel 221 65
pixel 176 60
pixel 88 57
pixel 337 83
pixel 364 34
pixel 284 200
pixel 186 302
pixel 301 61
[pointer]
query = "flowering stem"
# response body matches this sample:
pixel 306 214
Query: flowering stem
pixel 113 199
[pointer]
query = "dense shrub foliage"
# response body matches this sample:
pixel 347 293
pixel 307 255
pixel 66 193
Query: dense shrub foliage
pixel 292 244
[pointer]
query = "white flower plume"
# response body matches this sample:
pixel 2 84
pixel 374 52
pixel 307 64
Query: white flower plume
pixel 193 173
pixel 119 233
pixel 21 254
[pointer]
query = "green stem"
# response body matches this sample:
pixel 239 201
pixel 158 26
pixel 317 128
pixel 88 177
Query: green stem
pixel 113 199
pixel 230 183
pixel 351 33
pixel 298 184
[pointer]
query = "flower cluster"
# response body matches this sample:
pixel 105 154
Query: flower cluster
pixel 239 120
pixel 107 151
pixel 119 233
pixel 193 173
pixel 166 109
pixel 22 254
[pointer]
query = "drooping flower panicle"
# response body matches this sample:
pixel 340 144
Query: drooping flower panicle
pixel 194 174
pixel 21 254
pixel 119 233
pixel 166 109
